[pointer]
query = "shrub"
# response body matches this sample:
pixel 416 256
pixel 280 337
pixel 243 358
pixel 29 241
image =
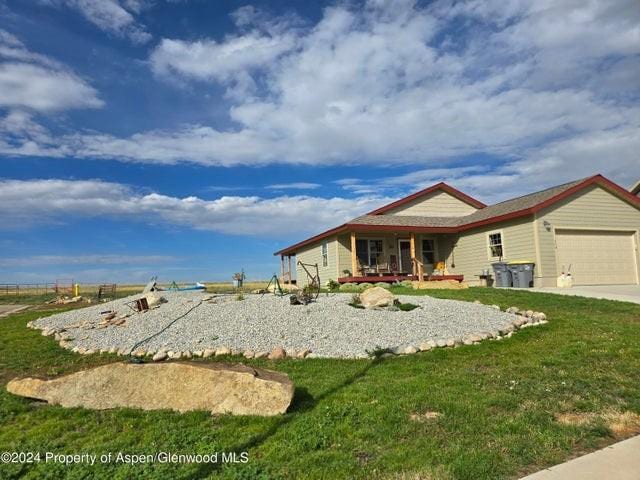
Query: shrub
pixel 348 287
pixel 240 297
pixel 333 286
pixel 364 286
pixel 406 283
pixel 355 301
pixel 377 352
pixel 383 285
pixel 406 307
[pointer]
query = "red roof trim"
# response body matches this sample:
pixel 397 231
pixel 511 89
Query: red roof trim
pixel 291 250
pixel 595 180
pixel 438 186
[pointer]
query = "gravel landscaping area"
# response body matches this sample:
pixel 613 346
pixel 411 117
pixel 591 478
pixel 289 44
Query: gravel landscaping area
pixel 329 327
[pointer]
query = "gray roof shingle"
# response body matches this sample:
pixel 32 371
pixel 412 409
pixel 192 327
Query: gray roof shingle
pixel 503 208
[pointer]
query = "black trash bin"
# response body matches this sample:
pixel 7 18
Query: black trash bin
pixel 522 273
pixel 502 274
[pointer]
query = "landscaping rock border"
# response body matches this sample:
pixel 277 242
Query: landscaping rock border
pixel 523 319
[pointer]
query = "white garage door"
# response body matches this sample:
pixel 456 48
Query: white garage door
pixel 597 257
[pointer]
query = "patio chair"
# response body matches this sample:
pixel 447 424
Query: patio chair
pixel 383 268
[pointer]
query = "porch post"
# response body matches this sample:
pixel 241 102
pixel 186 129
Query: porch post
pixel 412 243
pixel 289 279
pixel 282 267
pixel 354 257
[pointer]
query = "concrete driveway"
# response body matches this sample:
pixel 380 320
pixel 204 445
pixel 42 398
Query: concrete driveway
pixel 619 461
pixel 624 293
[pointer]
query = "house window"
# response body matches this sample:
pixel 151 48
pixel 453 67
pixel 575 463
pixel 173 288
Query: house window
pixel 428 251
pixel 369 252
pixel 325 254
pixel 376 252
pixel 496 248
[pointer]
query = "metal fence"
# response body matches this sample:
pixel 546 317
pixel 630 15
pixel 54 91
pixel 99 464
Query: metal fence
pixel 36 288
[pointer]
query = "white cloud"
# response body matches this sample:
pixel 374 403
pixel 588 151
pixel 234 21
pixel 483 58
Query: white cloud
pixel 31 202
pixel 393 84
pixel 294 186
pixel 67 260
pixel 36 82
pixel 111 16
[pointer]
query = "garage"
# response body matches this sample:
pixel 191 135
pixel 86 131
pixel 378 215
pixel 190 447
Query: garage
pixel 598 257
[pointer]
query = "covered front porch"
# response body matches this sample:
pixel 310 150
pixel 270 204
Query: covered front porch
pixel 391 257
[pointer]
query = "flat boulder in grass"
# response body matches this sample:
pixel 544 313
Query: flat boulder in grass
pixel 376 297
pixel 217 388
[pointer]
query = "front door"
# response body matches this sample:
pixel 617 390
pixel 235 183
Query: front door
pixel 404 250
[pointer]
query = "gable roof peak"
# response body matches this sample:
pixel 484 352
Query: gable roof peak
pixel 442 186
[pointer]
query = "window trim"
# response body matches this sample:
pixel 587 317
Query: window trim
pixel 324 253
pixel 434 250
pixel 502 244
pixel 369 240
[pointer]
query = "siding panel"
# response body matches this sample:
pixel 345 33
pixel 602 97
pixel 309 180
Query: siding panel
pixel 594 208
pixel 436 204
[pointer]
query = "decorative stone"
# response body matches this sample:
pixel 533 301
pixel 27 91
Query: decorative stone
pixel 441 343
pixel 475 338
pixel 262 355
pixel 197 353
pixel 506 329
pixel 528 313
pixel 186 354
pixel 409 350
pixel 249 354
pixel 160 356
pixel 450 342
pixel 376 297
pixel 218 388
pixel 518 322
pixel 496 307
pixel 277 354
pixel 209 352
pixel 303 353
pixel 512 310
pixel 426 346
pixel 223 351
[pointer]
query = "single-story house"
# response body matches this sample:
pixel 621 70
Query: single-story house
pixel 590 226
pixel 636 188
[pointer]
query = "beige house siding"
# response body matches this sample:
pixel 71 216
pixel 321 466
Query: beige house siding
pixel 344 254
pixel 313 254
pixel 471 251
pixel 594 208
pixel 435 204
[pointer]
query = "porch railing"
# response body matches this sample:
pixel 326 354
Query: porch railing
pixel 418 268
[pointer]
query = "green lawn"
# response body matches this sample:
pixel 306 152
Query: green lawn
pixel 496 401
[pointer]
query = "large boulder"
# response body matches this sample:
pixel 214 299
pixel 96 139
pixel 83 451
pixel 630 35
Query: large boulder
pixel 218 388
pixel 376 297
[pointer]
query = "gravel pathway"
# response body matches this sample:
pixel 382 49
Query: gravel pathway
pixel 328 327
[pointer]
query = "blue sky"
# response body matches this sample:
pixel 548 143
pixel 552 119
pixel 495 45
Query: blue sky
pixel 189 139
